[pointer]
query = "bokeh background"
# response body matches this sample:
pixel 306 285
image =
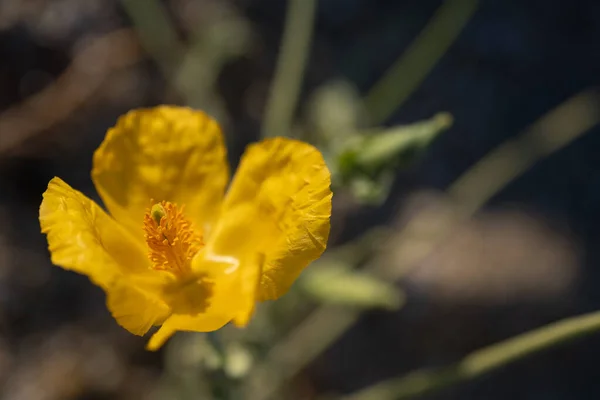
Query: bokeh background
pixel 464 142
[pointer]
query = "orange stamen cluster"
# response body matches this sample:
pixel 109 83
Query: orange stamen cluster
pixel 172 242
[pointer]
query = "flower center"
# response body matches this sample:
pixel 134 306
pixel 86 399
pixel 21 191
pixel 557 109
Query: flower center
pixel 172 242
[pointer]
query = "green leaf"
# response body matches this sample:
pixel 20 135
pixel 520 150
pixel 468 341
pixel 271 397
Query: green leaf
pixel 379 148
pixel 367 162
pixel 336 283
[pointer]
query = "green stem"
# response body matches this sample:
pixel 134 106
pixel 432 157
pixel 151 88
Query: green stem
pixel 556 129
pixel 309 339
pixel 290 68
pixel 482 361
pixel 156 33
pixel 407 73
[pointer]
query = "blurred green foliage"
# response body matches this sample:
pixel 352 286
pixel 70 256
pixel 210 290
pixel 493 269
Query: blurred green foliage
pixel 369 160
pixel 337 283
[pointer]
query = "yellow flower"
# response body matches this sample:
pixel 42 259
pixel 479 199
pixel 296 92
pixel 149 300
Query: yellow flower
pixel 176 250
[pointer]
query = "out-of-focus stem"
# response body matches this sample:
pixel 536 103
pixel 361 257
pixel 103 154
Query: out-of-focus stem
pixel 309 339
pixel 407 73
pixel 548 134
pixel 482 361
pixel 156 33
pixel 294 48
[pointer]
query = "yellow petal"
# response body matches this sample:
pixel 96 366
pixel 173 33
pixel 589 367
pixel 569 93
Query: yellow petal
pixel 249 287
pixel 189 295
pixel 198 323
pixel 134 309
pixel 165 153
pixel 282 189
pixel 233 263
pixel 83 238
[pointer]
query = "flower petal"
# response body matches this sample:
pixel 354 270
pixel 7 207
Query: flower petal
pixel 135 310
pixel 84 239
pixel 249 287
pixel 164 153
pixel 197 323
pixel 282 187
pixel 234 263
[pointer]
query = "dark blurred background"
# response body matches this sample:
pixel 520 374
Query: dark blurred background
pixel 69 68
